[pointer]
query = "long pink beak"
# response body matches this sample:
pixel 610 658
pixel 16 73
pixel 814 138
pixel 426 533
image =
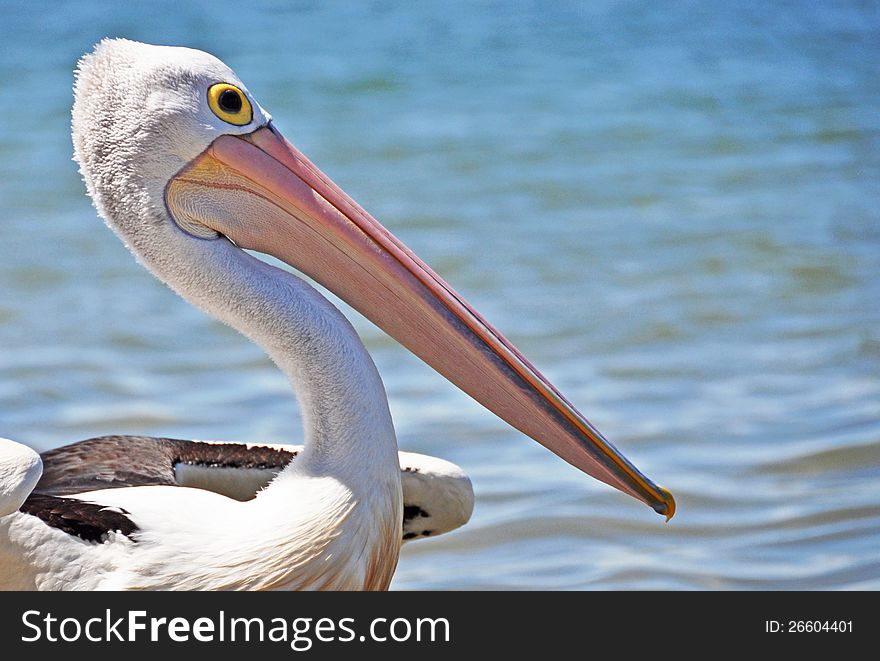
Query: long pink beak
pixel 265 195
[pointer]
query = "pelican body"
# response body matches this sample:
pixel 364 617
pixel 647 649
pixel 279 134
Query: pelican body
pixel 190 171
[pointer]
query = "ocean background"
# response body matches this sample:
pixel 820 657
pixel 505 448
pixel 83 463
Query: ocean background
pixel 673 209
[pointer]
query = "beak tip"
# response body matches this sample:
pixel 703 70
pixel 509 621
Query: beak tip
pixel 667 506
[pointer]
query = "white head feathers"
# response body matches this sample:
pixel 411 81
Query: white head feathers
pixel 140 114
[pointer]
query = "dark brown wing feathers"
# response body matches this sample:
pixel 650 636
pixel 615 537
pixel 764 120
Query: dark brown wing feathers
pixel 111 462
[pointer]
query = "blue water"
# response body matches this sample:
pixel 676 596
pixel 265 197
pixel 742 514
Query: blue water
pixel 673 209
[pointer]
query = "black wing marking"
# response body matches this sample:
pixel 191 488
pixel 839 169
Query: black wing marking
pixel 111 462
pixel 410 513
pixel 88 521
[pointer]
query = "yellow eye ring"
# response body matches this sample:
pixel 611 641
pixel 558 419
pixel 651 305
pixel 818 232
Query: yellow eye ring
pixel 230 104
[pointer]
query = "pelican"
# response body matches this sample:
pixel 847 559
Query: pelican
pixel 190 172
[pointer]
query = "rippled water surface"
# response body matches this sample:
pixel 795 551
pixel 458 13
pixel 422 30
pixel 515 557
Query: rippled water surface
pixel 673 209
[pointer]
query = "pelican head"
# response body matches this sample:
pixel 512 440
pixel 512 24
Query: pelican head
pixel 141 114
pixel 176 132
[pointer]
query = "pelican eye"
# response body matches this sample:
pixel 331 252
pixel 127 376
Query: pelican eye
pixel 230 104
pixel 229 101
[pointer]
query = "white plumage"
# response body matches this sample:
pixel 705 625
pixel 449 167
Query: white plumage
pixel 20 468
